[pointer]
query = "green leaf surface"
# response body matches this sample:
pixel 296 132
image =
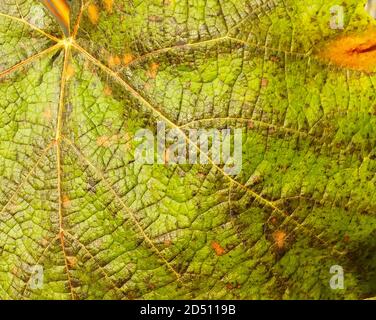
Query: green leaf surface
pixel 102 226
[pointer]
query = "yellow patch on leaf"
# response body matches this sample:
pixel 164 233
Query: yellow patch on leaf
pixel 219 251
pixel 70 71
pixel 93 13
pixel 44 242
pixel 47 113
pixel 107 91
pixel 114 61
pixel 356 52
pixel 108 141
pixel 14 271
pixel 103 141
pixel 65 201
pixel 108 4
pixel 128 58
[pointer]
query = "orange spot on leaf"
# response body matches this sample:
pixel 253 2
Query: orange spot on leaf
pixel 14 271
pixel 153 70
pixel 47 113
pixel 70 71
pixel 113 61
pixel 128 58
pixel 65 201
pixel 109 5
pixel 107 141
pixel 107 91
pixel 167 243
pixel 356 52
pixel 219 251
pixel 103 141
pixel 93 13
pixel 279 238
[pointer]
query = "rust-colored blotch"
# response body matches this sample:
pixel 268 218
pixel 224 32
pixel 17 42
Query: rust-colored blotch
pixel 356 52
pixel 219 251
pixel 279 238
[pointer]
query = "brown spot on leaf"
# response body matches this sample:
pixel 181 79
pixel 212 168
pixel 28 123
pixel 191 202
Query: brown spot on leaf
pixel 166 157
pixel 274 59
pixel 274 220
pixel 167 243
pixel 219 251
pixel 14 271
pixel 72 261
pixel 356 52
pixel 256 179
pixel 44 242
pixel 272 130
pixel 151 286
pixel 155 18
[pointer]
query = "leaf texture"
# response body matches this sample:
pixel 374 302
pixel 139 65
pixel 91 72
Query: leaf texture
pixel 102 226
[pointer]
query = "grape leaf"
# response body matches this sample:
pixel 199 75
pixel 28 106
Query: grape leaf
pixel 81 214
